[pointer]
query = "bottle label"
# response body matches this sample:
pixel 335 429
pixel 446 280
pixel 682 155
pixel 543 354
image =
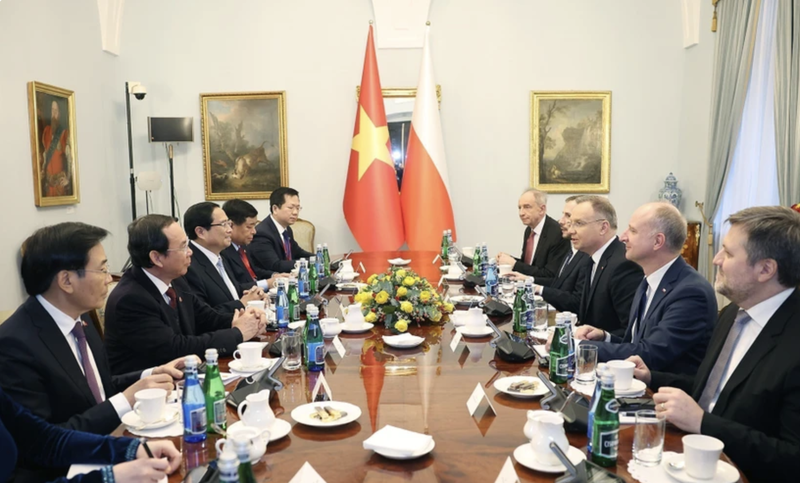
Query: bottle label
pixel 196 423
pixel 612 406
pixel 280 313
pixel 560 365
pixel 220 414
pixel 316 353
pixel 608 443
pixel 295 315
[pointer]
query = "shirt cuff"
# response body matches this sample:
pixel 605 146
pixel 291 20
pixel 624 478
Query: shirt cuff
pixel 120 404
pixel 146 373
pixel 263 284
pixel 607 338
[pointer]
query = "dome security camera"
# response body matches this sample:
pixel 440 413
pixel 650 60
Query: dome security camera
pixel 137 89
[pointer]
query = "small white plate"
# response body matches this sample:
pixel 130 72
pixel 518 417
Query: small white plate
pixel 302 414
pixel 350 286
pixel 279 429
pixel 399 262
pixel 503 384
pixel 475 331
pixel 524 456
pixel 264 363
pixel 394 456
pixel 459 317
pixel 466 299
pixel 725 472
pixel 403 341
pixel 637 388
pixel 444 268
pixel 356 330
pixel 133 421
pixel 297 324
pixel 347 277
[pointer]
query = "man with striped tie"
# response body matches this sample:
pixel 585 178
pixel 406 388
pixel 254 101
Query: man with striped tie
pixel 674 308
pixel 274 247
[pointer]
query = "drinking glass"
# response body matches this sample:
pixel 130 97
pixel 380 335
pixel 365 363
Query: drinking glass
pixel 540 315
pixel 586 362
pixel 648 437
pixel 290 349
pixel 507 287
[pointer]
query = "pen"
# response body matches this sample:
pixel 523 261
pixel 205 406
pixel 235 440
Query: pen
pixel 146 448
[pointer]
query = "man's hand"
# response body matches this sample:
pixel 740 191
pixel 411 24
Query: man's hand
pixel 679 408
pixel 640 371
pixel 174 368
pixel 505 259
pixel 587 332
pixel 156 381
pixel 248 322
pixel 516 276
pixel 252 294
pixel 162 449
pixel 141 470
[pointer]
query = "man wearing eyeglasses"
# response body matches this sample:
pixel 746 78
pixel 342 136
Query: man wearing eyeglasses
pixel 274 247
pixel 611 279
pixel 210 276
pixel 52 357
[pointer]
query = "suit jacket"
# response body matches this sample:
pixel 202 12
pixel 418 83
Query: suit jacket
pixel 674 334
pixel 39 371
pixel 564 292
pixel 267 249
pixel 606 303
pixel 549 254
pixel 207 284
pixel 239 271
pixel 142 330
pixel 757 414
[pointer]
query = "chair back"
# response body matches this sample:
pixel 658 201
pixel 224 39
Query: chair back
pixel 303 231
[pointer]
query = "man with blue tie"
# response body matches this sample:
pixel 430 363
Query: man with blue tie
pixel 274 247
pixel 747 390
pixel 674 308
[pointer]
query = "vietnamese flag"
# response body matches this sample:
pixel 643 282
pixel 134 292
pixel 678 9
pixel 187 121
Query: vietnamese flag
pixel 371 200
pixel 425 194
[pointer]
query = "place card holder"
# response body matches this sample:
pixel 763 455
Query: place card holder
pixel 572 407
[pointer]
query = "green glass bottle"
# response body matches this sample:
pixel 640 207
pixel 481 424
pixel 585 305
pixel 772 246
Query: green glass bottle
pixel 520 309
pixel 605 427
pixel 314 342
pixel 445 248
pixel 476 261
pixel 326 260
pixel 313 276
pixel 214 390
pixel 559 352
pixel 294 301
pixel 242 448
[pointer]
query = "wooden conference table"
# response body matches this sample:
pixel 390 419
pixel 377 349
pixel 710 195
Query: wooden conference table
pixel 423 389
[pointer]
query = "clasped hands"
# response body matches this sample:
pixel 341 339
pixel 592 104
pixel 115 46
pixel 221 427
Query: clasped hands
pixel 166 459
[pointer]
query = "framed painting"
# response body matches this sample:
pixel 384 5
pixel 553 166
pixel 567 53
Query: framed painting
pixel 571 141
pixel 53 145
pixel 244 144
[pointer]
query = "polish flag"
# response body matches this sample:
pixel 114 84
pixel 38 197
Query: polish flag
pixel 425 192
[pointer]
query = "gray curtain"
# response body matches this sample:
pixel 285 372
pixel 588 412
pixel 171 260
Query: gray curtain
pixel 732 64
pixel 787 90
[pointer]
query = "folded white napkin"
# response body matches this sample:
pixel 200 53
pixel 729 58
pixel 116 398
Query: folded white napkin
pixel 399 441
pixel 307 474
pixel 403 339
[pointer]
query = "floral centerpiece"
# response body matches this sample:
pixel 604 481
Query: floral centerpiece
pixel 398 297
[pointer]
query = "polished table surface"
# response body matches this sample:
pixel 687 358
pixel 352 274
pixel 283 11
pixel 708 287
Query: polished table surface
pixel 424 389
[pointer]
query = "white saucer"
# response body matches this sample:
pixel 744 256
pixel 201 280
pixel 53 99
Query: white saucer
pixel 403 341
pixel 444 268
pixel 331 335
pixel 399 262
pixel 458 318
pixel 302 414
pixel 297 324
pixel 236 365
pixel 347 277
pixel 453 278
pixel 725 472
pixel 466 299
pixel 279 429
pixel 637 389
pixel 475 331
pixel 394 456
pixel 350 286
pixel 356 330
pixel 133 421
pixel 503 383
pixel 524 456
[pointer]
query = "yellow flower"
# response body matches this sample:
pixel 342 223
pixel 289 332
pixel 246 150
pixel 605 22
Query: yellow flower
pixel 402 291
pixel 382 297
pixel 372 279
pixel 407 307
pixel 448 307
pixel 401 274
pixel 416 279
pixel 425 296
pixel 408 281
pixel 401 325
pixel 371 317
pixel 437 316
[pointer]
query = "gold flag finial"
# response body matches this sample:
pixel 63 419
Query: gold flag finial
pixel 714 18
pixel 428 23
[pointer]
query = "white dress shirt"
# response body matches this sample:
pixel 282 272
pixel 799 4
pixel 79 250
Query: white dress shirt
pixel 596 256
pixel 160 285
pixel 216 260
pixel 280 227
pixel 263 284
pixel 760 313
pixel 653 281
pixel 538 231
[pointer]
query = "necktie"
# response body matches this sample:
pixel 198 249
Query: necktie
pixel 172 297
pixel 225 279
pixel 721 365
pixel 529 248
pixel 644 287
pixel 287 244
pixel 566 262
pixel 246 262
pixel 88 370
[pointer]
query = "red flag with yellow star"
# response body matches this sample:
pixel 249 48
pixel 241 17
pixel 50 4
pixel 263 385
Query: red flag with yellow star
pixel 371 199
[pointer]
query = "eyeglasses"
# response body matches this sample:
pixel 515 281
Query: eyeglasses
pixel 226 224
pixel 182 248
pixel 581 223
pixel 106 271
pixel 297 208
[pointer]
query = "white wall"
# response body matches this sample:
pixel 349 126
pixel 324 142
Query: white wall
pixel 488 55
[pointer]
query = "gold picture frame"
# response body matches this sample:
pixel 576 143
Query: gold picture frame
pixel 571 141
pixel 395 92
pixel 245 153
pixel 54 145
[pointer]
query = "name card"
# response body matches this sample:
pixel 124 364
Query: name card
pixel 337 344
pixel 475 400
pixel 455 341
pixel 507 474
pixel 321 382
pixel 437 257
pixel 363 270
pixel 307 474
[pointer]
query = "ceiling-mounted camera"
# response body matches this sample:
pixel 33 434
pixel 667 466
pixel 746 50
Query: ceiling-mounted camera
pixel 137 89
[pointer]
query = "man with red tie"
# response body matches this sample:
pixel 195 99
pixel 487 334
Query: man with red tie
pixel 244 217
pixel 274 247
pixel 543 247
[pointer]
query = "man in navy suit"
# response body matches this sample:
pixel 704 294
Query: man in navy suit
pixel 274 247
pixel 244 218
pixel 674 309
pixel 747 390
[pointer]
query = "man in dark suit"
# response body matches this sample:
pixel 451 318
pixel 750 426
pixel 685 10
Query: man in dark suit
pixel 543 246
pixel 152 315
pixel 209 275
pixel 610 280
pixel 274 247
pixel 674 308
pixel 747 390
pixel 244 218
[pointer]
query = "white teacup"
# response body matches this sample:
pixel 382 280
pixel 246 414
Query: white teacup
pixel 249 353
pixel 330 326
pixel 701 454
pixel 258 304
pixel 258 440
pixel 505 269
pixel 623 373
pixel 474 318
pixel 150 404
pixel 468 252
pixel 454 270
